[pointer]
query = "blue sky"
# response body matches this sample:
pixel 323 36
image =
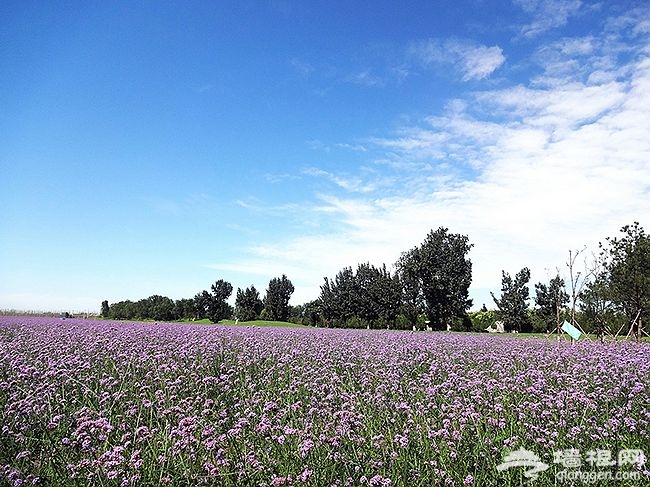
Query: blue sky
pixel 155 147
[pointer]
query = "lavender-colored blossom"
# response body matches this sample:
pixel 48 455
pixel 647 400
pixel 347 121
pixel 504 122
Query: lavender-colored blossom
pixel 150 404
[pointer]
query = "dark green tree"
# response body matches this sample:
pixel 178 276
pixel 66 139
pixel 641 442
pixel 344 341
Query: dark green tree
pixel 218 307
pixel 550 301
pixel 123 310
pixel 412 298
pixel 184 309
pixel 598 311
pixel 156 307
pixel 377 297
pixel 311 313
pixel 338 298
pixel 276 301
pixel 627 267
pixel 444 274
pixel 106 309
pixel 214 304
pixel 248 304
pixel 512 305
pixel 202 305
pixel 371 297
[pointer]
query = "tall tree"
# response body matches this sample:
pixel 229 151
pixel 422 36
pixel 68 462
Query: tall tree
pixel 276 301
pixel 311 313
pixel 513 307
pixel 550 301
pixel 338 297
pixel 444 273
pixel 159 308
pixel 106 309
pixel 218 307
pixel 627 265
pixel 596 306
pixel 248 304
pixel 378 295
pixel 371 296
pixel 202 303
pixel 412 299
pixel 184 308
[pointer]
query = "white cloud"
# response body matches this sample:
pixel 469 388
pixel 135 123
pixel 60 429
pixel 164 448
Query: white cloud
pixel 473 61
pixel 348 183
pixel 352 147
pixel 547 14
pixel 481 61
pixel 257 206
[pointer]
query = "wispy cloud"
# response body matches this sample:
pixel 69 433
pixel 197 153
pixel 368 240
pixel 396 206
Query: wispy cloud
pixel 366 78
pixel 304 69
pixel 547 14
pixel 472 60
pixel 280 177
pixel 348 183
pixel 352 147
pixel 255 205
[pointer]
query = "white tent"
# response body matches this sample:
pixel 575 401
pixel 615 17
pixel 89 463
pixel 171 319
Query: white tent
pixel 497 327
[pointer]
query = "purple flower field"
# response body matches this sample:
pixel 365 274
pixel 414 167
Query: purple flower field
pixel 112 403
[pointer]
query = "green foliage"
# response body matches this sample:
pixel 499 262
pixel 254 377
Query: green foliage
pixel 430 285
pixel 627 272
pixel 550 301
pixel 306 314
pixel 403 322
pixel 183 309
pixel 512 305
pixel 481 320
pixel 597 311
pixel 276 301
pixel 461 323
pixel 201 305
pixel 214 304
pixel 156 307
pixel 412 298
pixel 218 307
pixel 438 274
pixel 369 297
pixel 248 304
pixel 337 297
pixel 538 324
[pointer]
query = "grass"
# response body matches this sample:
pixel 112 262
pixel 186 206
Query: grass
pixel 265 323
pixel 204 321
pixel 277 324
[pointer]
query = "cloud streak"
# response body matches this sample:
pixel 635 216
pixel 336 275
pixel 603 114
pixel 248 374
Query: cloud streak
pixel 547 14
pixel 473 61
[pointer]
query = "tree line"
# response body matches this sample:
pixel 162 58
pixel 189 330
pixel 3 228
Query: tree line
pixel 429 287
pixel 209 304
